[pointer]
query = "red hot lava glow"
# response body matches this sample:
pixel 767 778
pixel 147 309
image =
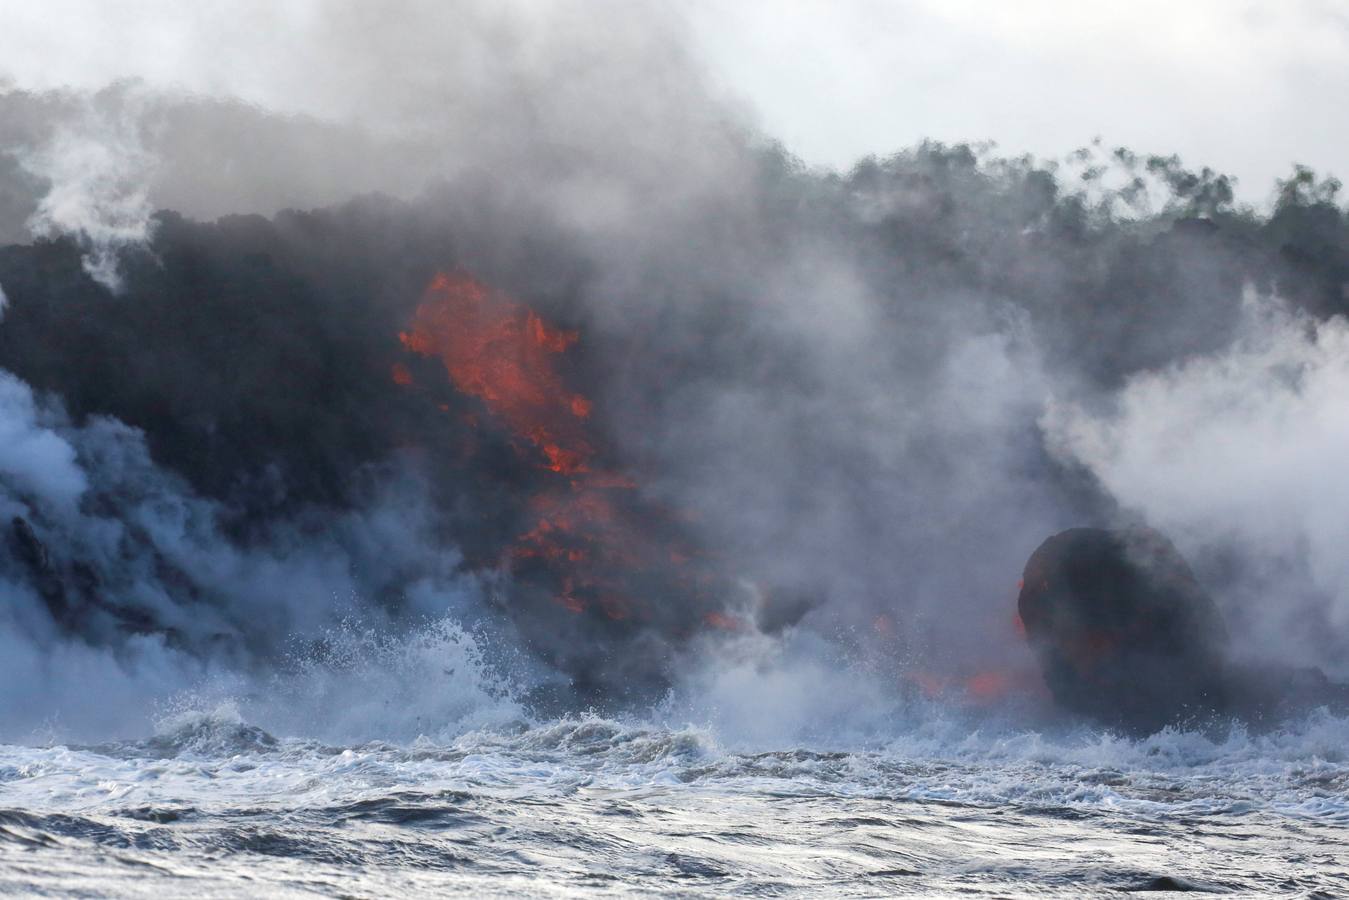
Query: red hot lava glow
pixel 590 541
pixel 504 354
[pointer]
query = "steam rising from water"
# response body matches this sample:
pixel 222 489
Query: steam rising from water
pixel 164 599
pixel 872 394
pixel 1244 447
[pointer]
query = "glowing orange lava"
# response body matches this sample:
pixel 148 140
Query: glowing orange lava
pixel 501 352
pixel 589 542
pixel 723 621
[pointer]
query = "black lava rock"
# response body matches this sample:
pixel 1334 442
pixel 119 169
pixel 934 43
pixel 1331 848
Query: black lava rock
pixel 1127 637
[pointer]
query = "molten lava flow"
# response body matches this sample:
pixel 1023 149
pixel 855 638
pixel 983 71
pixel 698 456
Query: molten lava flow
pixel 718 619
pixel 984 687
pixel 989 686
pixel 503 353
pixel 590 542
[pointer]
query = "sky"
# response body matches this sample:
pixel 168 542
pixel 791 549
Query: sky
pixel 1245 86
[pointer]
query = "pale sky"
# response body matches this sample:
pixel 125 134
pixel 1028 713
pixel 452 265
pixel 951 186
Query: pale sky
pixel 1247 86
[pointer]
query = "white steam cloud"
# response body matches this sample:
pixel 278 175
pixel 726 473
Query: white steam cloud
pixel 1246 446
pixel 141 545
pixel 34 458
pixel 610 127
pixel 99 173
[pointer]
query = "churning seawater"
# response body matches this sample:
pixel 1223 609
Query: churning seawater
pixel 475 796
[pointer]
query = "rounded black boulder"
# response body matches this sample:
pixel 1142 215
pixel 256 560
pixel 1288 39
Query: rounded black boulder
pixel 1123 632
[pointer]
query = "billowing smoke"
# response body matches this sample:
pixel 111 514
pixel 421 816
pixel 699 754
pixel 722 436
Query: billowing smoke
pixel 847 406
pixel 96 169
pixel 105 546
pixel 1239 455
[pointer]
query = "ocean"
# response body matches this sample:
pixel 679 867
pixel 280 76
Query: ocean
pixel 470 794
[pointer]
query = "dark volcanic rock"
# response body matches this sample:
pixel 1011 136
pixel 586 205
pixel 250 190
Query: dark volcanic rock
pixel 1126 636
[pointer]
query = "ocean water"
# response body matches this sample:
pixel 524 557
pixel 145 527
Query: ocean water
pixel 215 807
pixel 468 793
